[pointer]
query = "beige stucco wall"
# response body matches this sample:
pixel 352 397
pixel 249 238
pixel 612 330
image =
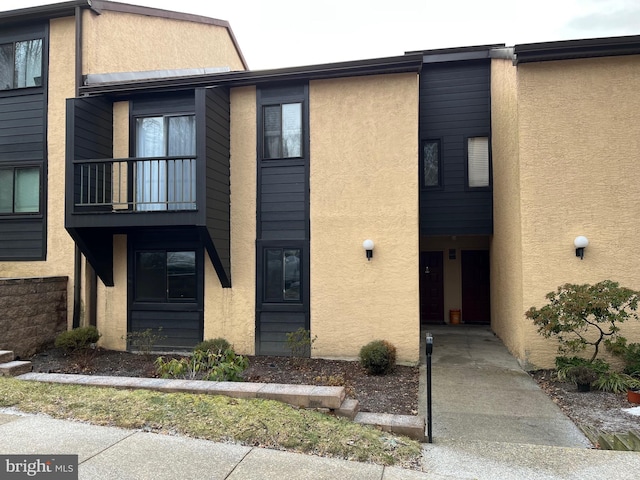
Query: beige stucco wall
pixel 112 301
pixel 230 312
pixel 60 247
pixel 452 268
pixel 506 242
pixel 364 184
pixel 124 42
pixel 579 139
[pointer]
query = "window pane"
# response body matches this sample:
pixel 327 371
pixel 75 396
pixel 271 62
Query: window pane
pixel 6 66
pixel 292 274
pixel 273 275
pixel 151 186
pixel 478 161
pixel 272 132
pixel 150 276
pixel 181 275
pixel 27 190
pixel 431 163
pixel 182 136
pixel 6 190
pixel 181 174
pixel 292 130
pixel 28 63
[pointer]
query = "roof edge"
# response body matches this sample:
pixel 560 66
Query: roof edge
pixel 386 65
pixel 572 49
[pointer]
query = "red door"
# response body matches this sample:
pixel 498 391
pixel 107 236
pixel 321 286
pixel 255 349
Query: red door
pixel 476 304
pixel 431 288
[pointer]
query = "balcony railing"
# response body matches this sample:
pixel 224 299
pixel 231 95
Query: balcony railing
pixel 135 184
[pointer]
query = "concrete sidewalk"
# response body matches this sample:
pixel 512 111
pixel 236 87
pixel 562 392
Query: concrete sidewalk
pixel 490 420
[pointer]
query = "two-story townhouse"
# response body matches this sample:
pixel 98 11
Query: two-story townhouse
pixel 45 53
pixel 236 203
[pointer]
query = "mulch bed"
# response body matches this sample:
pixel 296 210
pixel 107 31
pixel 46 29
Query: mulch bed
pixel 396 392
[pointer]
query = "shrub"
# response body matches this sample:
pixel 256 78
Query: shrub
pixel 144 341
pixel 77 340
pixel 585 316
pixel 300 342
pixel 630 354
pixel 582 375
pixel 219 366
pixel 615 382
pixel 564 365
pixel 214 345
pixel 378 357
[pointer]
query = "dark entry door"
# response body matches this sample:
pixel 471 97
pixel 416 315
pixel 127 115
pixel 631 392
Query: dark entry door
pixel 166 291
pixel 476 304
pixel 431 288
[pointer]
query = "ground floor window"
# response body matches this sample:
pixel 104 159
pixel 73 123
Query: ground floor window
pixel 165 276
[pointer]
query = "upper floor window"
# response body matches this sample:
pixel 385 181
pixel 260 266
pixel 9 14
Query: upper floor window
pixel 169 180
pixel 282 136
pixel 431 163
pixel 19 190
pixel 478 162
pixel 21 64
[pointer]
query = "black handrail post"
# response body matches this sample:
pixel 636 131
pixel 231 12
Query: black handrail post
pixel 429 344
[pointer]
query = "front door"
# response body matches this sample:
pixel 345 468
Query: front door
pixel 476 304
pixel 431 288
pixel 166 291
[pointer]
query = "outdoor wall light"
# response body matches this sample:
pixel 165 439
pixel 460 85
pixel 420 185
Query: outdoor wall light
pixel 580 242
pixel 368 246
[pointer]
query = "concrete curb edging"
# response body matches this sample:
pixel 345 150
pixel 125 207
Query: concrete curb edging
pixel 302 396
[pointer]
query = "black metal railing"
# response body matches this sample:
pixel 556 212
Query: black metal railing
pixel 135 184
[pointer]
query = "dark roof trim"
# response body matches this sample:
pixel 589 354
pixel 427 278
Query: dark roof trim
pixel 457 54
pixel 406 63
pixel 67 9
pixel 569 49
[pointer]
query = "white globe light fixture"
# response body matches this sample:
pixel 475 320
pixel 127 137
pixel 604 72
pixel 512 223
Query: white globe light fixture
pixel 368 246
pixel 580 243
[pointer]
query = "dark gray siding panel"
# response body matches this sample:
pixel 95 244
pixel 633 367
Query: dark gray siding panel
pixel 21 239
pixel 214 117
pixel 283 203
pixel 89 136
pixel 454 105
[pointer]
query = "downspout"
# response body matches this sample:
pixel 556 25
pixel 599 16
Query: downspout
pixel 77 266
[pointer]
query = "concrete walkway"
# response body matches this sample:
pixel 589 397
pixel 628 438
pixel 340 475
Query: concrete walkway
pixel 490 422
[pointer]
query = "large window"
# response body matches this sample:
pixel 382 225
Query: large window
pixel 282 275
pixel 165 276
pixel 478 162
pixel 19 190
pixel 21 64
pixel 166 183
pixel 282 131
pixel 431 163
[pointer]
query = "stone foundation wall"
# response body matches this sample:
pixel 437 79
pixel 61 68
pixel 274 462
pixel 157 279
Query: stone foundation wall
pixel 33 311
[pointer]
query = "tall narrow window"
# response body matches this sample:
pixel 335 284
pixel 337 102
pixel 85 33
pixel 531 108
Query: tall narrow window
pixel 478 161
pixel 282 136
pixel 20 190
pixel 166 182
pixel 21 64
pixel 282 275
pixel 431 163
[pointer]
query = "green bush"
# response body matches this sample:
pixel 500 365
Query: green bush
pixel 582 375
pixel 564 365
pixel 615 382
pixel 214 345
pixel 77 340
pixel 630 353
pixel 144 341
pixel 300 342
pixel 583 317
pixel 219 367
pixel 378 357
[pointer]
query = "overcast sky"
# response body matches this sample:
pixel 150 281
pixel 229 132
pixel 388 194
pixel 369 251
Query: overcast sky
pixel 285 33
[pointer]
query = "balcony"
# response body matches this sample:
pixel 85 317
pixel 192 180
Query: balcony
pixel 134 185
